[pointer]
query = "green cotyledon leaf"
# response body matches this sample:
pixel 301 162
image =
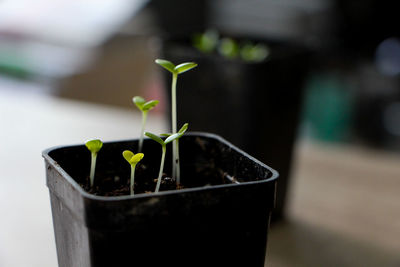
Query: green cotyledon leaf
pixel 94 145
pixel 155 138
pixel 131 158
pixel 139 102
pixel 183 128
pixel 181 68
pixel 150 105
pixel 168 65
pixel 136 158
pixel 173 137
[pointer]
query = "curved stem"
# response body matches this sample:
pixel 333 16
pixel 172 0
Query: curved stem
pixel 132 185
pixel 164 149
pixel 92 169
pixel 174 118
pixel 144 118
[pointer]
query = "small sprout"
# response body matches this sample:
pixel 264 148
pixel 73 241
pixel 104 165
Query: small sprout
pixel 132 159
pixel 144 107
pixel 163 144
pixel 175 70
pixel 168 135
pixel 94 146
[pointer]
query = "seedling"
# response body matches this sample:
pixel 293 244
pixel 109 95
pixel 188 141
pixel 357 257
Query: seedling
pixel 210 42
pixel 254 52
pixel 248 51
pixel 175 70
pixel 228 48
pixel 163 144
pixel 181 131
pixel 94 146
pixel 132 159
pixel 206 42
pixel 144 107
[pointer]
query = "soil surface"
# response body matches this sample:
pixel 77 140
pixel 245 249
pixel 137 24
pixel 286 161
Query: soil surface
pixel 113 185
pixel 112 178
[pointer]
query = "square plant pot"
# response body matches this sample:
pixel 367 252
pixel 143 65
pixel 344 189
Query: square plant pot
pixel 220 218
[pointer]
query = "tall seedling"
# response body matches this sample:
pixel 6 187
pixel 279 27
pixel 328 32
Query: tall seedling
pixel 163 143
pixel 144 107
pixel 175 70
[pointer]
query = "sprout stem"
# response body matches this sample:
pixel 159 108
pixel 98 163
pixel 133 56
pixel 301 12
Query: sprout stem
pixel 164 149
pixel 175 153
pixel 133 166
pixel 178 169
pixel 92 168
pixel 144 118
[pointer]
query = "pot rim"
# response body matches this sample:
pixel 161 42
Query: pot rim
pixel 55 165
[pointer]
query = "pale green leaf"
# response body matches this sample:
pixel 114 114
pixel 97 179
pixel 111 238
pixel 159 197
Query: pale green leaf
pixel 181 68
pixel 155 138
pixel 139 102
pixel 128 155
pixel 168 65
pixel 131 158
pixel 136 158
pixel 173 137
pixel 150 105
pixel 184 128
pixel 94 145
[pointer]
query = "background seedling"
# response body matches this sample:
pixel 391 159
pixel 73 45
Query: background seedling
pixel 132 159
pixel 228 48
pixel 210 42
pixel 163 144
pixel 254 52
pixel 144 107
pixel 178 169
pixel 94 146
pixel 175 70
pixel 206 42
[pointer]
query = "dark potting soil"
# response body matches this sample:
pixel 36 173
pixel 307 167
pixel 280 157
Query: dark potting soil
pixel 115 186
pixel 201 165
pixel 107 184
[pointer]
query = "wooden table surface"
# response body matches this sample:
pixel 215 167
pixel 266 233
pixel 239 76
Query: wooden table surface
pixel 344 208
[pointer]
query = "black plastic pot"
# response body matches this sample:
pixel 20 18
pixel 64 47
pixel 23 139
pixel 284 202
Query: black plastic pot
pixel 210 223
pixel 244 101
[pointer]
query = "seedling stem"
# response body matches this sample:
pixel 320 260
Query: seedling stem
pixel 92 168
pixel 175 151
pixel 144 107
pixel 164 151
pixel 144 118
pixel 94 146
